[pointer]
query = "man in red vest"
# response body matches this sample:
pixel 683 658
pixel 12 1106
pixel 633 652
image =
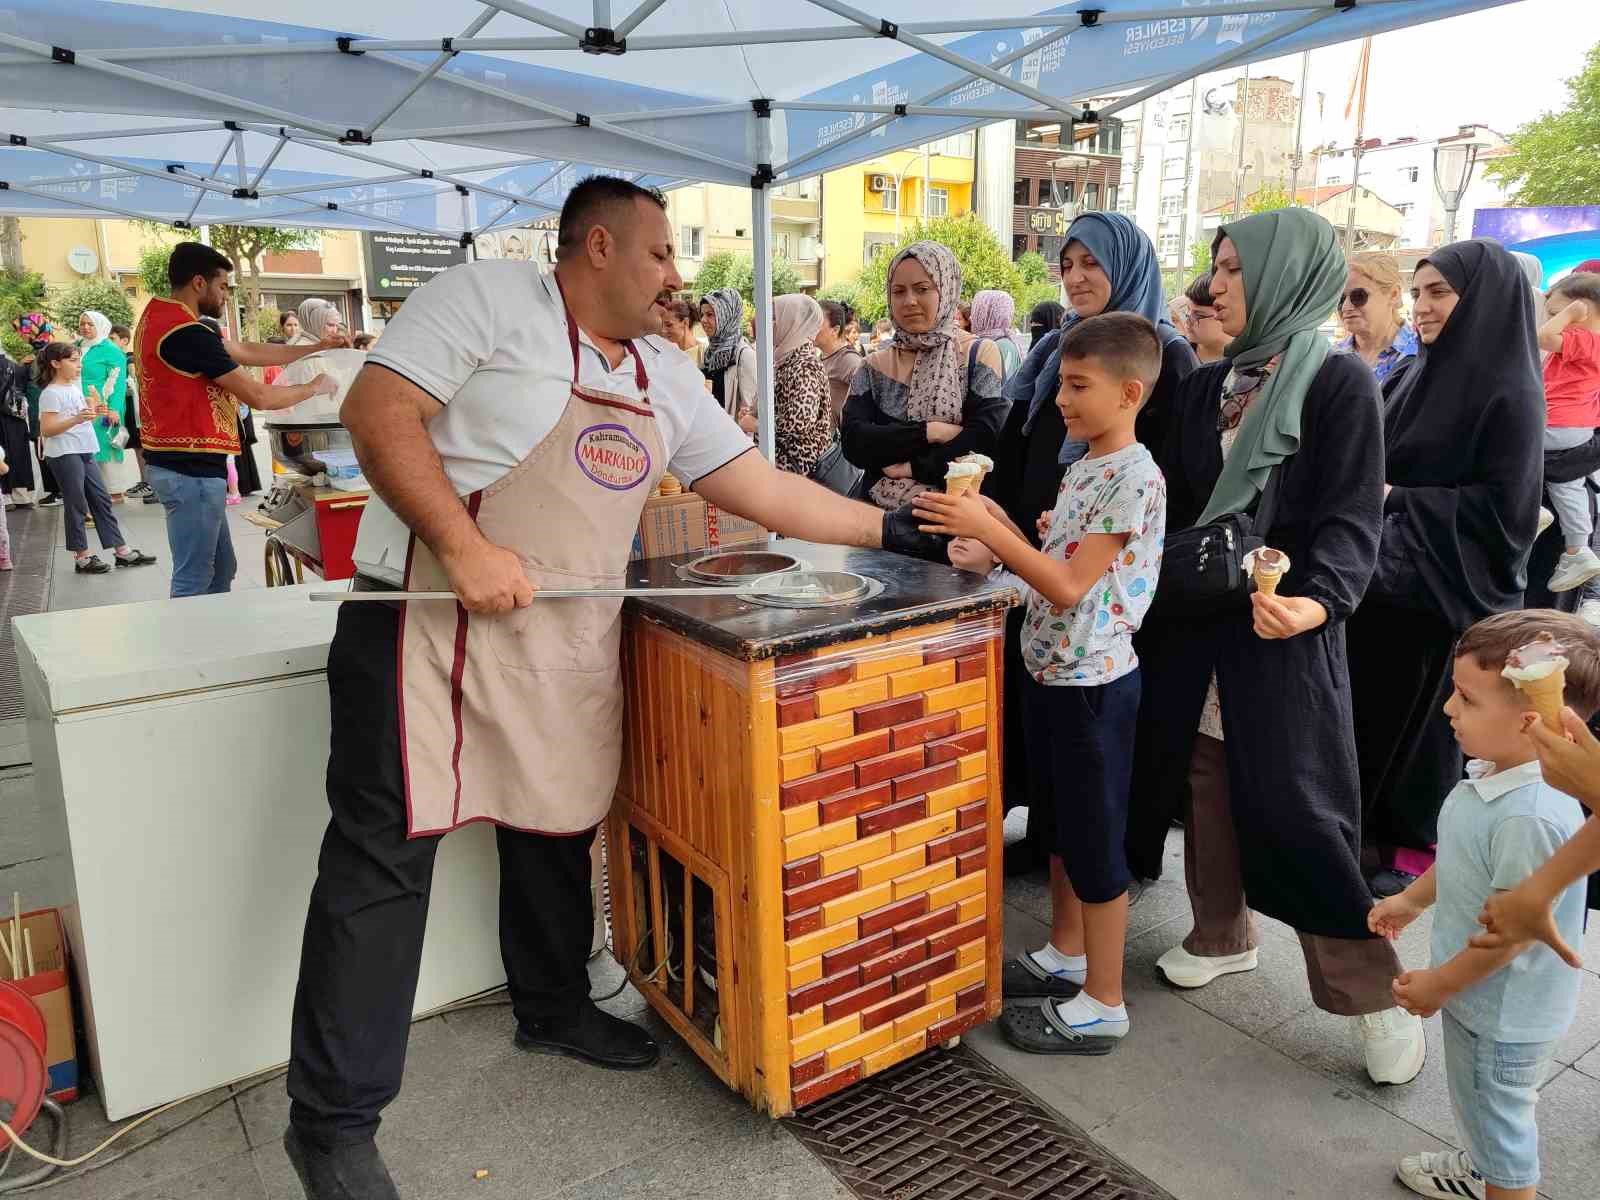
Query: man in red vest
pixel 190 383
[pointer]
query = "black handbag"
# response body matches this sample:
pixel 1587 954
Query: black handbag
pixel 1202 568
pixel 836 472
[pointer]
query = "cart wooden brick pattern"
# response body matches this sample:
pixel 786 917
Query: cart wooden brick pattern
pixel 830 822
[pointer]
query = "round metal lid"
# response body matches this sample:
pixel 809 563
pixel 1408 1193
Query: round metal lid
pixel 823 589
pixel 738 566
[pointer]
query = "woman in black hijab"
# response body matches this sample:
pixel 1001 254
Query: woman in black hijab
pixel 1045 317
pixel 1464 461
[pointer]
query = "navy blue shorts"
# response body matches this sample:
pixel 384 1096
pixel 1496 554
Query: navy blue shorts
pixel 1080 764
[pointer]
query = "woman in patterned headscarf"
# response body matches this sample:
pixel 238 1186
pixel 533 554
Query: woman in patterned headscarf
pixel 800 385
pixel 730 360
pixel 992 314
pixel 931 395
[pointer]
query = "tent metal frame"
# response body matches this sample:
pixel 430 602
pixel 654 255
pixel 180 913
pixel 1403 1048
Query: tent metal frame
pixel 287 128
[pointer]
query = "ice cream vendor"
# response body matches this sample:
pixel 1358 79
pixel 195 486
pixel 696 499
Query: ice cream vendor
pixel 512 425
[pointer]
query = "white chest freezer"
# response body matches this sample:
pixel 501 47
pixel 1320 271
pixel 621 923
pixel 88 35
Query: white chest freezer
pixel 179 749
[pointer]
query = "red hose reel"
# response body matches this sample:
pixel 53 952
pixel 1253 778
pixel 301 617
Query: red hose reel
pixel 23 1073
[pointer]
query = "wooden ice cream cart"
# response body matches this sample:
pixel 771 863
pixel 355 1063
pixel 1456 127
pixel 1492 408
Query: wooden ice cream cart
pixel 805 850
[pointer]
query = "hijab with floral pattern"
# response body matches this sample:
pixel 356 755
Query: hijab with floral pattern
pixel 937 389
pixel 728 305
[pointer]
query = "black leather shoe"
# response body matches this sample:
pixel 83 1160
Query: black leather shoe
pixel 595 1037
pixel 353 1172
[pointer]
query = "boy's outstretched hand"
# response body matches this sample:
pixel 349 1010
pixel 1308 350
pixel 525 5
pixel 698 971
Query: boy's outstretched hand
pixel 1421 993
pixel 955 516
pixel 1389 916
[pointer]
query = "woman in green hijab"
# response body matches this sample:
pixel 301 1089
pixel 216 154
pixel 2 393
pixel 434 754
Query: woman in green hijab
pixel 1248 712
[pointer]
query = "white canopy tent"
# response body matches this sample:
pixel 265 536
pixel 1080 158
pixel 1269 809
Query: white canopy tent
pixel 463 116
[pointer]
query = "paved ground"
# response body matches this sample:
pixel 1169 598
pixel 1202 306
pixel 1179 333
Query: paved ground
pixel 1241 1091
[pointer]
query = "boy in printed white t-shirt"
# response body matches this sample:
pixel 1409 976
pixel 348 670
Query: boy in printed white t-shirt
pixel 1090 587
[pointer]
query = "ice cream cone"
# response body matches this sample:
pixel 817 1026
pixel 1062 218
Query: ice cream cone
pixel 1546 696
pixel 1267 579
pixel 958 485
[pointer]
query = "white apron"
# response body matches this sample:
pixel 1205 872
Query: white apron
pixel 517 718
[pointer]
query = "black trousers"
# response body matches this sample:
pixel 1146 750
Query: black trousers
pixel 363 939
pixel 1401 666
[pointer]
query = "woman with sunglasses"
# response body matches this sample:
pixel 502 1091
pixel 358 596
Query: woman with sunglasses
pixel 1273 797
pixel 1370 311
pixel 1205 331
pixel 1464 461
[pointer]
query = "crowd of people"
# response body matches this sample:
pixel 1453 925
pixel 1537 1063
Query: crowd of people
pixel 1342 749
pixel 1345 748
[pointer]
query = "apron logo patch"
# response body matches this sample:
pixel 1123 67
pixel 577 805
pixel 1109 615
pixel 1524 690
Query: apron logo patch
pixel 612 457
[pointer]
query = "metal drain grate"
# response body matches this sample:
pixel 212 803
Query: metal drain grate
pixel 23 590
pixel 948 1126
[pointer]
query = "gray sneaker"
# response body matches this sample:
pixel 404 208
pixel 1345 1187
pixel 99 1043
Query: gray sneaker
pixel 1575 570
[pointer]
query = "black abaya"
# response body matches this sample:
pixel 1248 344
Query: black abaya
pixel 1463 434
pixel 245 461
pixel 1285 703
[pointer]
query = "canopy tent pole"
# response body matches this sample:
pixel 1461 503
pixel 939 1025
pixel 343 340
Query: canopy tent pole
pixel 761 247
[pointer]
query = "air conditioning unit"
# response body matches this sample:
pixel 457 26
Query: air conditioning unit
pixel 879 183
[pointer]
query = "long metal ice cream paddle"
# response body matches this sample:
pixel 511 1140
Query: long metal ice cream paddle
pixel 709 591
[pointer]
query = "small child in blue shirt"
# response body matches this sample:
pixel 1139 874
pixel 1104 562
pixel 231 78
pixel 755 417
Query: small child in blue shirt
pixel 1505 1010
pixel 1088 590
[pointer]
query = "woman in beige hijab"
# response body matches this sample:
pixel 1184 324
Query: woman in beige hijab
pixel 800 385
pixel 317 319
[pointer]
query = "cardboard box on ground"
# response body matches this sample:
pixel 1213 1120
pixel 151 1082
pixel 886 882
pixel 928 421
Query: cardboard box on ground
pixel 685 523
pixel 50 988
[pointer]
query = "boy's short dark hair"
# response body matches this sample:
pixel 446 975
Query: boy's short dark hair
pixel 1199 292
pixel 121 331
pixel 1490 642
pixel 195 258
pixel 598 199
pixel 1584 287
pixel 1124 343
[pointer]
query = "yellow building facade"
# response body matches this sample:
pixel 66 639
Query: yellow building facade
pixel 66 250
pixel 868 207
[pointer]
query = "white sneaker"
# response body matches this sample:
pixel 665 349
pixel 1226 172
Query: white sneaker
pixel 1186 970
pixel 1575 570
pixel 1443 1173
pixel 1589 611
pixel 1546 518
pixel 1394 1044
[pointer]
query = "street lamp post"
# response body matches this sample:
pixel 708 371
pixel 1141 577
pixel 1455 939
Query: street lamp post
pixel 1452 172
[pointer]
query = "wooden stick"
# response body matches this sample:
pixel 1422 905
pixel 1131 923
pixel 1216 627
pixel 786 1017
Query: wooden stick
pixel 27 941
pixel 16 930
pixel 10 965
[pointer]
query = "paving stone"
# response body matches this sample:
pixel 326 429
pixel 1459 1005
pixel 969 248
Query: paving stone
pixel 1251 1001
pixel 1252 1123
pixel 200 1145
pixel 1169 1038
pixel 753 1157
pixel 1584 1035
pixel 1569 1136
pixel 235 1178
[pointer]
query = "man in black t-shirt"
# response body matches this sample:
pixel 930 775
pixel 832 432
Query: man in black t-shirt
pixel 191 482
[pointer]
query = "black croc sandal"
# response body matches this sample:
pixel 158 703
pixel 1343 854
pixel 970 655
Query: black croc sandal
pixel 1021 978
pixel 134 558
pixel 1035 1029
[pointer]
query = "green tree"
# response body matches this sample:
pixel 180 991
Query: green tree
pixel 1034 268
pixel 842 290
pixel 267 325
pixel 985 264
pixel 738 271
pixel 20 292
pixel 102 295
pixel 1268 198
pixel 1555 159
pixel 153 260
pixel 246 245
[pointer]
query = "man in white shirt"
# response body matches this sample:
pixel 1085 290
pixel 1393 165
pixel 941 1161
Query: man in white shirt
pixel 511 425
